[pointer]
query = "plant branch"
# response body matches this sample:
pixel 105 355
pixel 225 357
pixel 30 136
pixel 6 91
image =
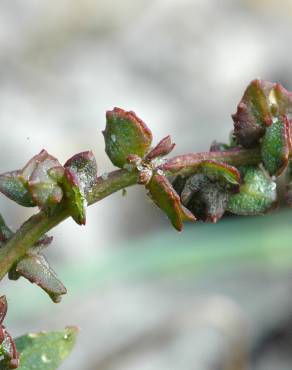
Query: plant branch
pixel 32 230
pixel 187 164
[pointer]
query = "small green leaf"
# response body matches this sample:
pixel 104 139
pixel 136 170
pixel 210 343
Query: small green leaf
pixel 33 185
pixel 274 146
pixel 75 196
pixel 166 198
pixel 125 134
pixel 12 185
pixel 45 350
pixel 36 269
pixel 220 172
pixel 257 194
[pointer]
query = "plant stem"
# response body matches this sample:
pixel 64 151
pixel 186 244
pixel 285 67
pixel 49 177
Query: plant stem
pixel 31 231
pixel 187 164
pixel 37 225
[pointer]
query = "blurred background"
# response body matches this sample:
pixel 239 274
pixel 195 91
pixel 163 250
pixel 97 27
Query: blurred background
pixel 216 297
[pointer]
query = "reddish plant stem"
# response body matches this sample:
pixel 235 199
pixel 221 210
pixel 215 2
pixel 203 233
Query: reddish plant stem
pixel 187 164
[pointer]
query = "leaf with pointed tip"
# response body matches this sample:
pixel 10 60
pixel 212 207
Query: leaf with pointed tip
pixel 275 146
pixel 85 167
pixel 166 198
pixel 12 185
pixel 220 172
pixel 125 134
pixel 45 350
pixel 257 194
pixel 262 100
pixel 33 185
pixel 75 196
pixel 36 269
pixel 42 243
pixel 164 147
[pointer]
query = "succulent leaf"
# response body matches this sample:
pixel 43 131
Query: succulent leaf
pixel 220 172
pixel 166 198
pixel 45 350
pixel 125 134
pixel 12 185
pixel 275 146
pixel 262 100
pixel 33 185
pixel 75 196
pixel 85 167
pixel 36 269
pixel 257 194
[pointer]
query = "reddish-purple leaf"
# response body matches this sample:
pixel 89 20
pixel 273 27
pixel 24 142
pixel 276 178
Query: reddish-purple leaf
pixel 164 147
pixel 9 350
pixel 261 102
pixel 3 308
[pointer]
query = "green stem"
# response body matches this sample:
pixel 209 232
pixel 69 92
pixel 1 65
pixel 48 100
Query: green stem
pixel 31 231
pixel 37 225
